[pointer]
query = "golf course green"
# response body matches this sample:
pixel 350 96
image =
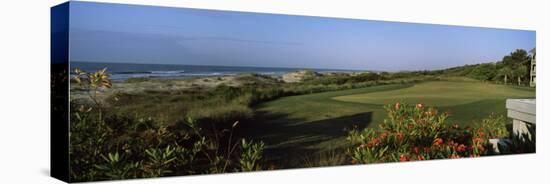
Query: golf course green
pixel 298 126
pixel 439 93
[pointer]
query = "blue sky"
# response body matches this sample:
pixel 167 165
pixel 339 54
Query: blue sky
pixel 148 34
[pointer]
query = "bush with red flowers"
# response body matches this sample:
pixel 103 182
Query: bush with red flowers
pixel 416 132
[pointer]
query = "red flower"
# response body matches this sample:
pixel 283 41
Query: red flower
pixel 384 135
pixel 428 113
pixel 400 136
pixel 397 105
pixel 369 145
pixel 461 148
pixel 374 142
pixel 438 141
pixel 416 150
pixel 481 148
pixel 481 134
pixel 420 157
pixel 403 158
pixel 452 143
pixel 478 140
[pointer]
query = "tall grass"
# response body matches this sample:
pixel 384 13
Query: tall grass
pixel 333 157
pixel 108 142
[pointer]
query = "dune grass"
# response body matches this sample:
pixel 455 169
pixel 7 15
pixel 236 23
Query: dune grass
pixel 298 127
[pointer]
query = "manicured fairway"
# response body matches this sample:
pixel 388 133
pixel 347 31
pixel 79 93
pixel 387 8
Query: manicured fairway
pixel 299 126
pixel 464 101
pixel 440 94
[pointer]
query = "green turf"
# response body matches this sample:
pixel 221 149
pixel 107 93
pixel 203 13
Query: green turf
pixel 464 101
pixel 440 94
pixel 297 127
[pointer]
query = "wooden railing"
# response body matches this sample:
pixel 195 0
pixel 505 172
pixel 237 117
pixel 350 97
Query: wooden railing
pixel 523 115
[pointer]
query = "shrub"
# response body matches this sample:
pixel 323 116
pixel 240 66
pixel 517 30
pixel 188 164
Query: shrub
pixel 159 161
pixel 492 127
pixel 222 113
pixel 415 133
pixel 521 143
pixel 251 155
pixel 116 168
pixel 116 145
pixel 137 79
pixel 88 137
pixel 332 157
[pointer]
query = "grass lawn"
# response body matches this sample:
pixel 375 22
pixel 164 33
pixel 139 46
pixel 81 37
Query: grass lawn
pixel 298 128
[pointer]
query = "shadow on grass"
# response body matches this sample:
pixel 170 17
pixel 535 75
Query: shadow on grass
pixel 290 140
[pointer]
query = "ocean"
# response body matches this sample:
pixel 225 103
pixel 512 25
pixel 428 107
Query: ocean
pixel 123 71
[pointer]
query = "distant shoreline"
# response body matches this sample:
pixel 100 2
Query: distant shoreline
pixel 124 71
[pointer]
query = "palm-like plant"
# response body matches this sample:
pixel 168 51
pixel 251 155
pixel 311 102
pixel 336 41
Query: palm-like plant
pixel 505 72
pixel 115 168
pixel 521 71
pixel 93 82
pixel 159 161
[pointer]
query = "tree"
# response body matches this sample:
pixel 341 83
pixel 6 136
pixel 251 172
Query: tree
pixel 505 72
pixel 518 57
pixel 520 72
pixel 533 51
pixel 484 72
pixel 519 62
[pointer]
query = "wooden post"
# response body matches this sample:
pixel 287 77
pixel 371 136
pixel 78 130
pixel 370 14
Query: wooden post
pixel 523 114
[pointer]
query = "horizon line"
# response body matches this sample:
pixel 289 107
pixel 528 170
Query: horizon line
pixel 282 67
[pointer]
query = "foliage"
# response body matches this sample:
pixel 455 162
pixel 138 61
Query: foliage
pixel 332 157
pixel 115 167
pixel 137 79
pixel 505 73
pixel 87 137
pixel 93 82
pixel 116 145
pixel 484 72
pixel 521 143
pixel 159 161
pixel 492 127
pixel 251 155
pixel 515 65
pixel 191 131
pixel 225 104
pixel 340 79
pixel 521 72
pixel 416 133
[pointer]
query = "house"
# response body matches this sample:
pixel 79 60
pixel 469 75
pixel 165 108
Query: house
pixel 533 77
